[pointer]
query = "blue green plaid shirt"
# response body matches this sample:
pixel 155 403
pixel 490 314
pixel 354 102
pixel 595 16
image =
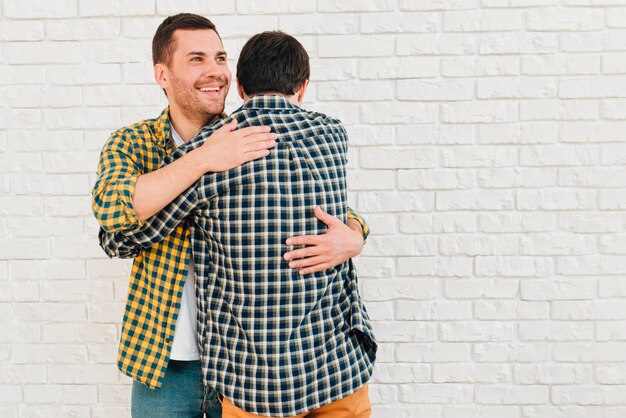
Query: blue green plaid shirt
pixel 272 341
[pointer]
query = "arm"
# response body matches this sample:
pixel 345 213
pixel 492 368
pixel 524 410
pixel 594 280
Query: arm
pixel 340 243
pixel 224 150
pixel 124 196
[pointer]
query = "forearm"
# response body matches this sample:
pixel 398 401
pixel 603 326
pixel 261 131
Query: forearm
pixel 155 190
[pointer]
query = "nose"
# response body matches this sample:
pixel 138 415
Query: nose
pixel 211 70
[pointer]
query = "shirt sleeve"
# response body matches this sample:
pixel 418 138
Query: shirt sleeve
pixel 128 242
pixel 352 214
pixel 112 195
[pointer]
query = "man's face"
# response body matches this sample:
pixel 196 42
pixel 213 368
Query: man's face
pixel 198 76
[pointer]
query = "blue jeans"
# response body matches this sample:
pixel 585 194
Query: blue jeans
pixel 180 396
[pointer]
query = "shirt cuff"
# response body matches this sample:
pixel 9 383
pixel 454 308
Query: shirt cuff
pixel 352 214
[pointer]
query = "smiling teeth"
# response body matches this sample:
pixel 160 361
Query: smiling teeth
pixel 210 89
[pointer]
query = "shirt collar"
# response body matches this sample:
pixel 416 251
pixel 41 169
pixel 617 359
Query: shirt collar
pixel 269 101
pixel 163 129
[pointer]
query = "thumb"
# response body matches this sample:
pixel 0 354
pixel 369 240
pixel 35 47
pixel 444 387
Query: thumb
pixel 325 217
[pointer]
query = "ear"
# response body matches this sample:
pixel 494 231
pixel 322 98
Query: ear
pixel 240 90
pixel 301 91
pixel 161 75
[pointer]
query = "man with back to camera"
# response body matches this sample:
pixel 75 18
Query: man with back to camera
pixel 158 347
pixel 273 342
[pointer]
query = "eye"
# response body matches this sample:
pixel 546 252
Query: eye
pixel 197 59
pixel 221 58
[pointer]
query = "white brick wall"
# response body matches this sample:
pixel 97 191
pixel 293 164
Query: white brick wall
pixel 487 155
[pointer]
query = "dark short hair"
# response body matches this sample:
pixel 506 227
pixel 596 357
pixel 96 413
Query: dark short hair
pixel 163 43
pixel 272 62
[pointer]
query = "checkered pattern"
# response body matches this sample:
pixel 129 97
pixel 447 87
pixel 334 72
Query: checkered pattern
pixel 273 342
pixel 158 273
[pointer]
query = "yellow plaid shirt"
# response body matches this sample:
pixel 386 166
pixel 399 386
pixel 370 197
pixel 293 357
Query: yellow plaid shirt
pixel 158 274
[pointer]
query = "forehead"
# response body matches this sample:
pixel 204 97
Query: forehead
pixel 200 40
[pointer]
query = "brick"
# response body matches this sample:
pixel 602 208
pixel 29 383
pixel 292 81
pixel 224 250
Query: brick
pixel 435 266
pixel 441 134
pixel 407 113
pixel 444 44
pixel 420 311
pixel 570 64
pixel 78 30
pixel 327 24
pixel 475 200
pixel 21 31
pixel 365 135
pixel 433 179
pixel 370 180
pixel 557 244
pixel 474 244
pixel 388 158
pixel 516 88
pixel 388 289
pixel 396 201
pixel 167 8
pixel 333 70
pixel 404 331
pixel 37 353
pixel 33 9
pixel 561 289
pixel 585 310
pixel 593 264
pixel 355 91
pixel 517 43
pixel 399 23
pixel 363 46
pixel 471 373
pixel 43 52
pixel 433 353
pixel 116 8
pixel 475 331
pixel 512 395
pixel 555 331
pixel 514 266
pixel 480 288
pixel 518 133
pixel 564 20
pixel 78 333
pixel 362 6
pixel 588 395
pixel 484 112
pixel 83 374
pixel 402 373
pixel 452 90
pixel 445 393
pixel 507 310
pixel 24 248
pixel 423 5
pixel 611 374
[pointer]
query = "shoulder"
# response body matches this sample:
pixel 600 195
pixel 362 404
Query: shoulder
pixel 148 132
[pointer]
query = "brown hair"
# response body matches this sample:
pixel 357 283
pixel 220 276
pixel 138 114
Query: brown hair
pixel 163 43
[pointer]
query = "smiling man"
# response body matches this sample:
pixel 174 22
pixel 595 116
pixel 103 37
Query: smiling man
pixel 159 346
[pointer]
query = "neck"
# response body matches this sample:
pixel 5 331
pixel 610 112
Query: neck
pixel 188 126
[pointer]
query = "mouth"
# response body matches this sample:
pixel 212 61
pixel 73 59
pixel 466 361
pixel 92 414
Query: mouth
pixel 210 89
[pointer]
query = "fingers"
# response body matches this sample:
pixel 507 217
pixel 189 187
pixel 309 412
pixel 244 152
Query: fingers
pixel 325 217
pixel 305 240
pixel 302 253
pixel 251 130
pixel 308 262
pixel 253 155
pixel 314 269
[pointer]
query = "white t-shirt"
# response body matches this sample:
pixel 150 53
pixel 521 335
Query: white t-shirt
pixel 185 345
